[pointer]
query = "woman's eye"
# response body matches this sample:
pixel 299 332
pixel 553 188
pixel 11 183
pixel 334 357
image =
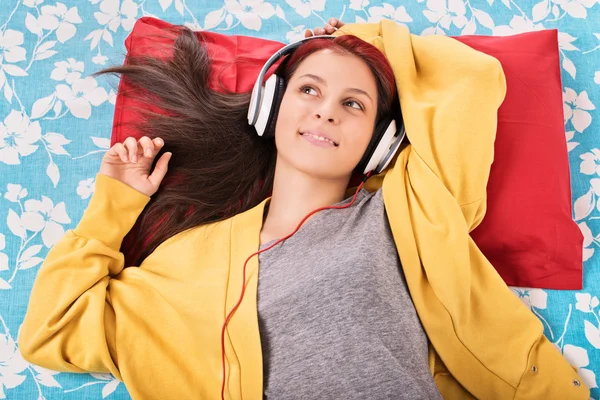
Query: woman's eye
pixel 308 90
pixel 354 104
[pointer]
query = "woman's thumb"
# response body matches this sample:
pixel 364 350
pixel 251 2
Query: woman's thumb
pixel 160 169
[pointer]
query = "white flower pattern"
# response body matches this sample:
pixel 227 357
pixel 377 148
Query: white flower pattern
pixel 518 24
pixel 3 256
pixel 537 298
pixel 388 11
pixel 68 71
pixel 114 15
pixel 100 59
pixel 575 8
pixel 18 136
pixel 446 12
pixel 14 193
pixel 60 18
pixel 32 3
pixel 358 4
pixel 576 109
pixel 11 51
pixel 10 46
pixel 81 96
pixel 295 34
pixel 306 7
pixel 250 12
pixel 86 188
pixel 12 365
pixel 588 239
pixel 44 216
pixel 591 163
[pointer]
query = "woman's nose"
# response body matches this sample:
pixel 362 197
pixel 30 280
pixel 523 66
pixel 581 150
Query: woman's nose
pixel 326 114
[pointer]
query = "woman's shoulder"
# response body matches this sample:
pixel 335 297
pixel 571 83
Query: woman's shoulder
pixel 368 196
pixel 365 199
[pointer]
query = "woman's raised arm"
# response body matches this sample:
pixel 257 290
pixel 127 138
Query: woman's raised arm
pixel 70 323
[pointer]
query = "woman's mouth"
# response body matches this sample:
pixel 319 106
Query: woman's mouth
pixel 317 140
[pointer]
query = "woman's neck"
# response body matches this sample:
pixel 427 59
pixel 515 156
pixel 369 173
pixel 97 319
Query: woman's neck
pixel 296 194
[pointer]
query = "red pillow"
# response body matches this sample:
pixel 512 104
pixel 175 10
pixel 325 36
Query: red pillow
pixel 528 233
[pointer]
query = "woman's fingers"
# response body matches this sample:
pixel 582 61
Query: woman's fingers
pixel 336 23
pixel 160 169
pixel 122 152
pixel 327 29
pixel 147 147
pixel 158 143
pixel 118 150
pixel 132 148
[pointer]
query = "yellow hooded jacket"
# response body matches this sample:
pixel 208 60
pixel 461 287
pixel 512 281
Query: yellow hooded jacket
pixel 158 327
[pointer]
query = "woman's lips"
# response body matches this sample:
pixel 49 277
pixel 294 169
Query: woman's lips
pixel 317 142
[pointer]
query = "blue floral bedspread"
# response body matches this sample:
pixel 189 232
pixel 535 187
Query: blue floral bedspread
pixel 55 124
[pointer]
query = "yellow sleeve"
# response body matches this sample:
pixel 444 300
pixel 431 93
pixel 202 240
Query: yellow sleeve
pixel 449 95
pixel 70 324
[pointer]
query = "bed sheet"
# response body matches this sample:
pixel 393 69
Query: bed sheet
pixel 55 124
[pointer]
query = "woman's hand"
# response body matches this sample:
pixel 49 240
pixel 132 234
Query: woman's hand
pixel 327 29
pixel 130 163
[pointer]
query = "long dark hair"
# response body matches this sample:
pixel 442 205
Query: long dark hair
pixel 220 166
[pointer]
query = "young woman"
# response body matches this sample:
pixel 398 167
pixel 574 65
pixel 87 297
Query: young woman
pixel 331 303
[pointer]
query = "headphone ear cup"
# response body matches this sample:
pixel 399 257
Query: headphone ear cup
pixel 380 130
pixel 267 93
pixel 279 90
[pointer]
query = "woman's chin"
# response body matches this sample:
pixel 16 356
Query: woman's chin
pixel 321 169
pixel 313 161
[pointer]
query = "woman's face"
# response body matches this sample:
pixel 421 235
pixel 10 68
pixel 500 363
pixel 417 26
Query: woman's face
pixel 331 96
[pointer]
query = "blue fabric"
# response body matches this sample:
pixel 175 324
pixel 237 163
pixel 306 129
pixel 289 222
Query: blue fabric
pixel 55 124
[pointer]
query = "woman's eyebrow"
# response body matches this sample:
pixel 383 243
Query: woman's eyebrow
pixel 316 78
pixel 323 82
pixel 359 91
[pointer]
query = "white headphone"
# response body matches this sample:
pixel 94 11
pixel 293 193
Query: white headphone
pixel 264 108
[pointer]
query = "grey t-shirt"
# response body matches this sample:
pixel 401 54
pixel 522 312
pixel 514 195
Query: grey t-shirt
pixel 335 316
